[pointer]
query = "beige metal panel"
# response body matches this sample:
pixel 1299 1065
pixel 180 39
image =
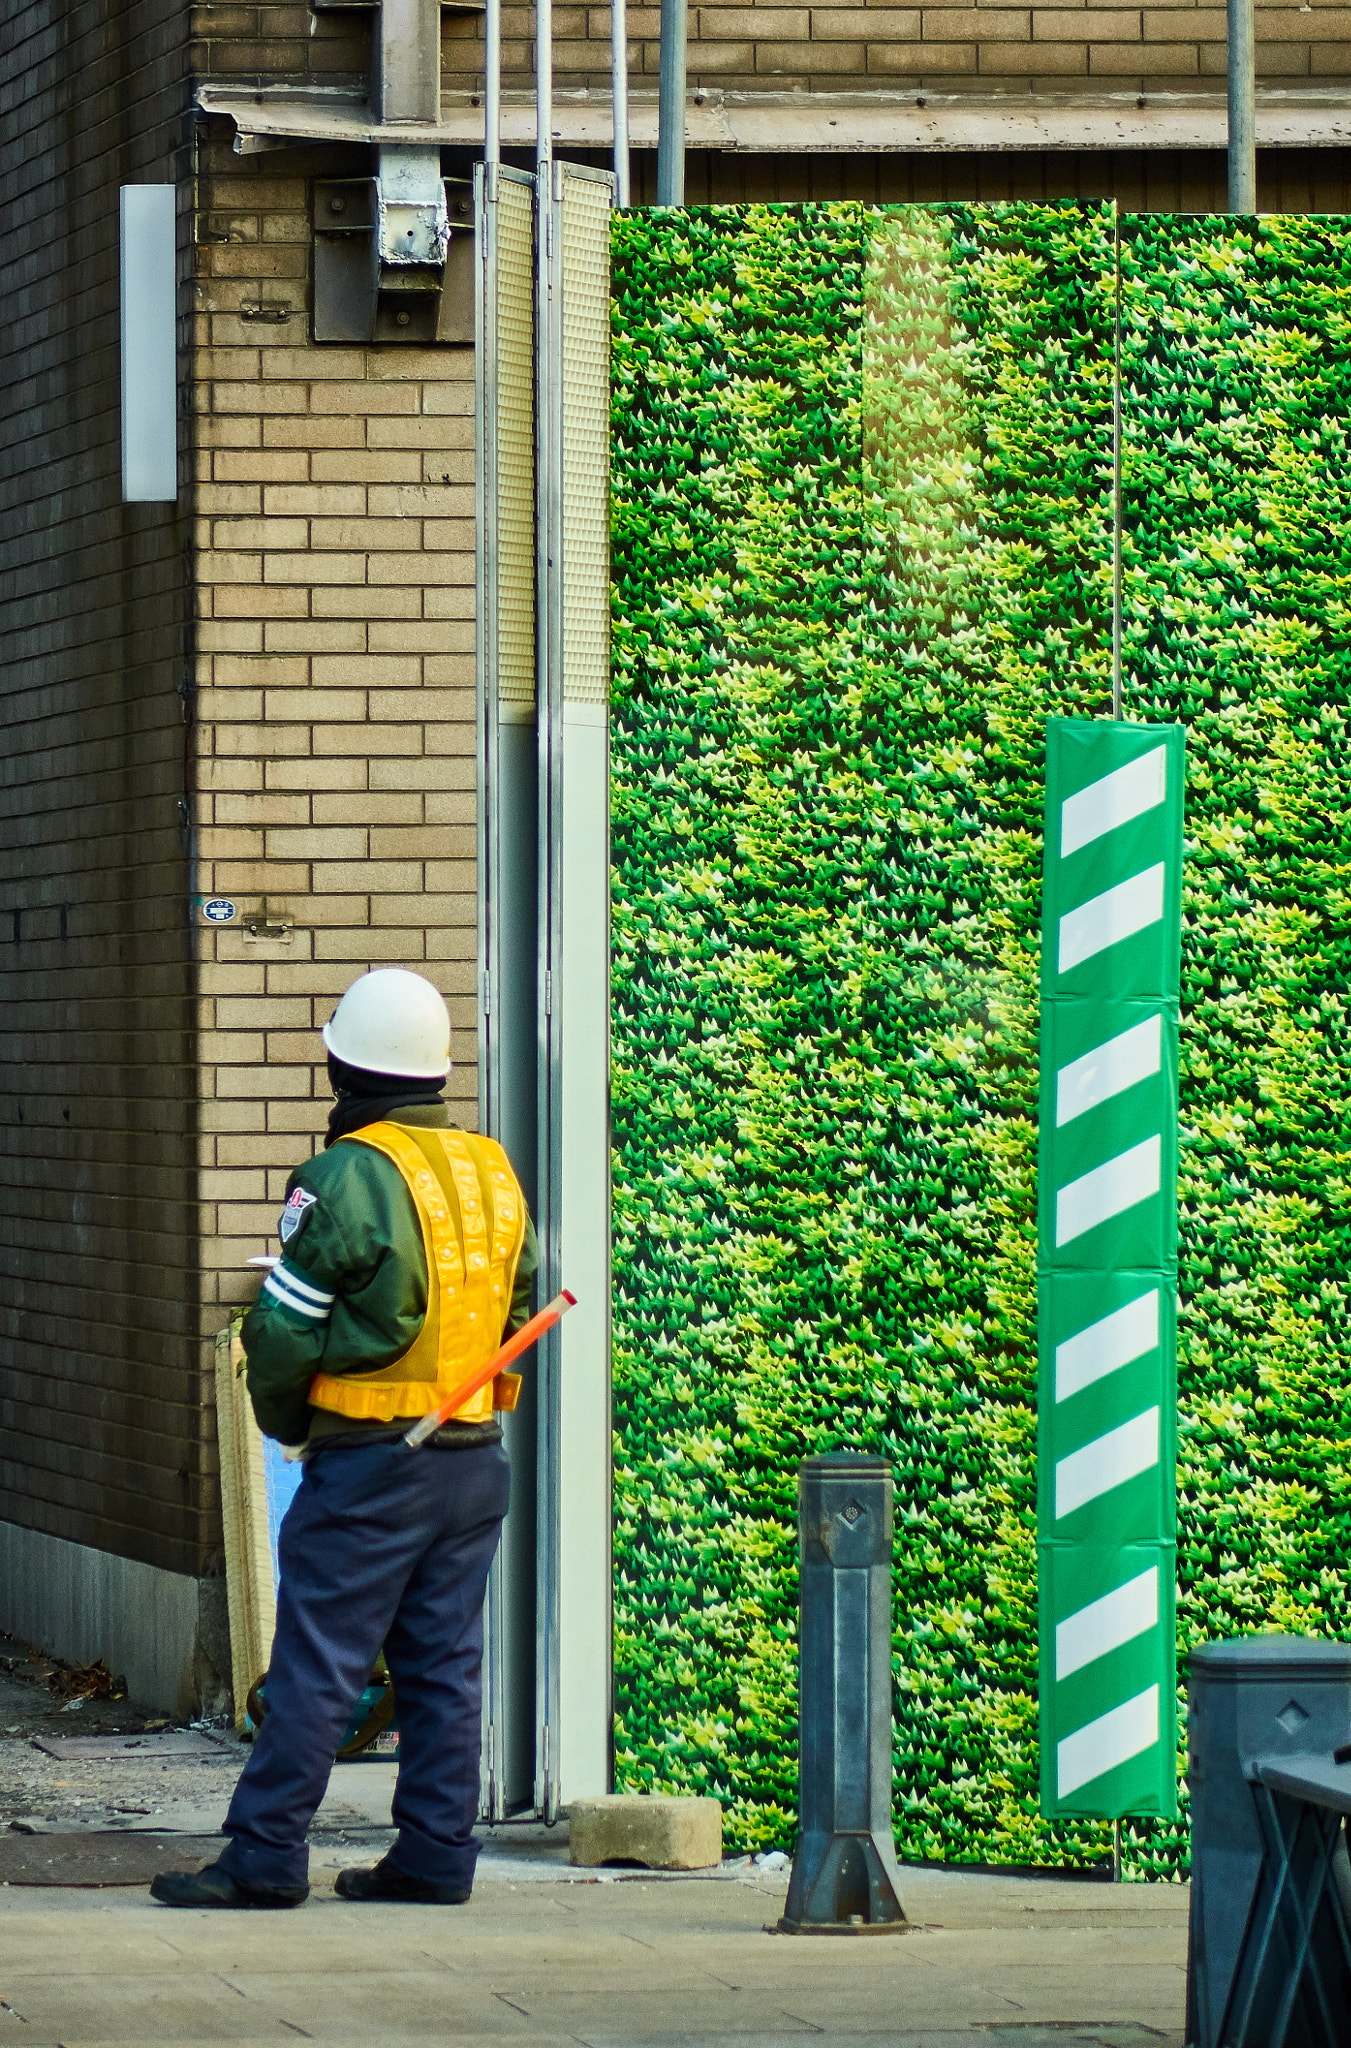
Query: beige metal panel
pixel 586 440
pixel 515 445
pixel 836 123
pixel 581 988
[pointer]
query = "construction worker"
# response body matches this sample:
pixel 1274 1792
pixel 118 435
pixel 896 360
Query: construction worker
pixel 406 1255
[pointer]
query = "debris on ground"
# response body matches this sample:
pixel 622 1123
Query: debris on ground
pixel 67 1681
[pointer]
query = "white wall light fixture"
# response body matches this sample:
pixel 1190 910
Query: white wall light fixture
pixel 149 344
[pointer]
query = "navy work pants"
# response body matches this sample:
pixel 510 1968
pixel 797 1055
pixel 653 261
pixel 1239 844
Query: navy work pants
pixel 382 1547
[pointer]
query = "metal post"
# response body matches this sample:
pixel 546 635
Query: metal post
pixel 671 106
pixel 619 96
pixel 492 92
pixel 1242 110
pixel 491 1805
pixel 407 54
pixel 548 681
pixel 845 1879
pixel 544 97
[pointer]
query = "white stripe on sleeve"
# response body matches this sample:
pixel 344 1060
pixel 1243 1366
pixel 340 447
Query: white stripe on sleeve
pixel 275 1286
pixel 302 1286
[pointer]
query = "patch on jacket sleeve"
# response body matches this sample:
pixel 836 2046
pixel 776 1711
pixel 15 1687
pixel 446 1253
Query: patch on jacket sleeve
pixel 293 1215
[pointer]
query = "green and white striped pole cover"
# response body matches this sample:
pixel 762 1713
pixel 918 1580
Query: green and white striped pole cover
pixel 1107 1267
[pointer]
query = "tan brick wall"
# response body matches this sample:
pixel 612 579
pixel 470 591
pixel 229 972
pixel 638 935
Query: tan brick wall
pixel 965 48
pixel 972 47
pixel 101 1434
pixel 260 45
pixel 335 711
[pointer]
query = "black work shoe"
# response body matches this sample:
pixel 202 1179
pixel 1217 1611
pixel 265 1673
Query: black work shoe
pixel 215 1887
pixel 387 1881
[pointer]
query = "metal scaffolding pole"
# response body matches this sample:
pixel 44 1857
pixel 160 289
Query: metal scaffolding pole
pixel 544 88
pixel 492 91
pixel 548 674
pixel 1242 114
pixel 619 95
pixel 671 106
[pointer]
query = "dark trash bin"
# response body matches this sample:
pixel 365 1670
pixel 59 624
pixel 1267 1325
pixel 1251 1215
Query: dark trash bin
pixel 1269 1954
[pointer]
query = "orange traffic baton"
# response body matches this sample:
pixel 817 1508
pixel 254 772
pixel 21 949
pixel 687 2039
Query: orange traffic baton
pixel 529 1333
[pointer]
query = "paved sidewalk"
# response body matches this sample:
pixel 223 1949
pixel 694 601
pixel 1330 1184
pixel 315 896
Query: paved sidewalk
pixel 617 1961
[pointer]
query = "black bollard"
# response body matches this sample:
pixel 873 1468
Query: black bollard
pixel 845 1879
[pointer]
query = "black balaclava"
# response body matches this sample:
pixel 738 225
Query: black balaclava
pixel 364 1098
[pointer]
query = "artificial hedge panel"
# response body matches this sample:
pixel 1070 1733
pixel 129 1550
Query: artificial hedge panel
pixel 988 423
pixel 1236 561
pixel 863 547
pixel 862 544
pixel 737 548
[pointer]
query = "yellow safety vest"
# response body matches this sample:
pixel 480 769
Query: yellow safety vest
pixel 472 1253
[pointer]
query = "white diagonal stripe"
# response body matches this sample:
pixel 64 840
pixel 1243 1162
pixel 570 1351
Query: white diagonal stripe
pixel 1118 1339
pixel 1118 1063
pixel 1107 919
pixel 1114 1738
pixel 1109 1461
pixel 1106 1624
pixel 1108 1190
pixel 1113 800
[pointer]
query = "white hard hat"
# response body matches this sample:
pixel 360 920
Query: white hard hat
pixel 392 1021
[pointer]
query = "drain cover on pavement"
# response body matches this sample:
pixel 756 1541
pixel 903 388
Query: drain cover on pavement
pixel 110 1749
pixel 101 1859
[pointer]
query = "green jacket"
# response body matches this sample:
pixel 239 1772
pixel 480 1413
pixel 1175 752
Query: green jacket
pixel 350 1293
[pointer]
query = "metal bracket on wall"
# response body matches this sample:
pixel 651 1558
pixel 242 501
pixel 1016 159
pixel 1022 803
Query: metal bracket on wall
pixel 394 254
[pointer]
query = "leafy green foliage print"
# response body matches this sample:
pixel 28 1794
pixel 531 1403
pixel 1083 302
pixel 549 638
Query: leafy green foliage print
pixel 863 469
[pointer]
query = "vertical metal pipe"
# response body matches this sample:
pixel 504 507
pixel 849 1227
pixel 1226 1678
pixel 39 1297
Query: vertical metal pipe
pixel 492 92
pixel 489 831
pixel 546 581
pixel 1242 110
pixel 544 96
pixel 619 96
pixel 549 1179
pixel 671 106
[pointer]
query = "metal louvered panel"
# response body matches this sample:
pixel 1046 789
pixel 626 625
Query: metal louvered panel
pixel 585 223
pixel 515 429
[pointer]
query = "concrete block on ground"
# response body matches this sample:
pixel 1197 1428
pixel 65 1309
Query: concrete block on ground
pixel 660 1832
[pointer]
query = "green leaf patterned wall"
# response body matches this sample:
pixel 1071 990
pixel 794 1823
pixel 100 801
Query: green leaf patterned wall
pixel 863 542
pixel 1236 588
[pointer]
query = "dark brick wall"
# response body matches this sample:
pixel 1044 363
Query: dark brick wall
pixel 101 1413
